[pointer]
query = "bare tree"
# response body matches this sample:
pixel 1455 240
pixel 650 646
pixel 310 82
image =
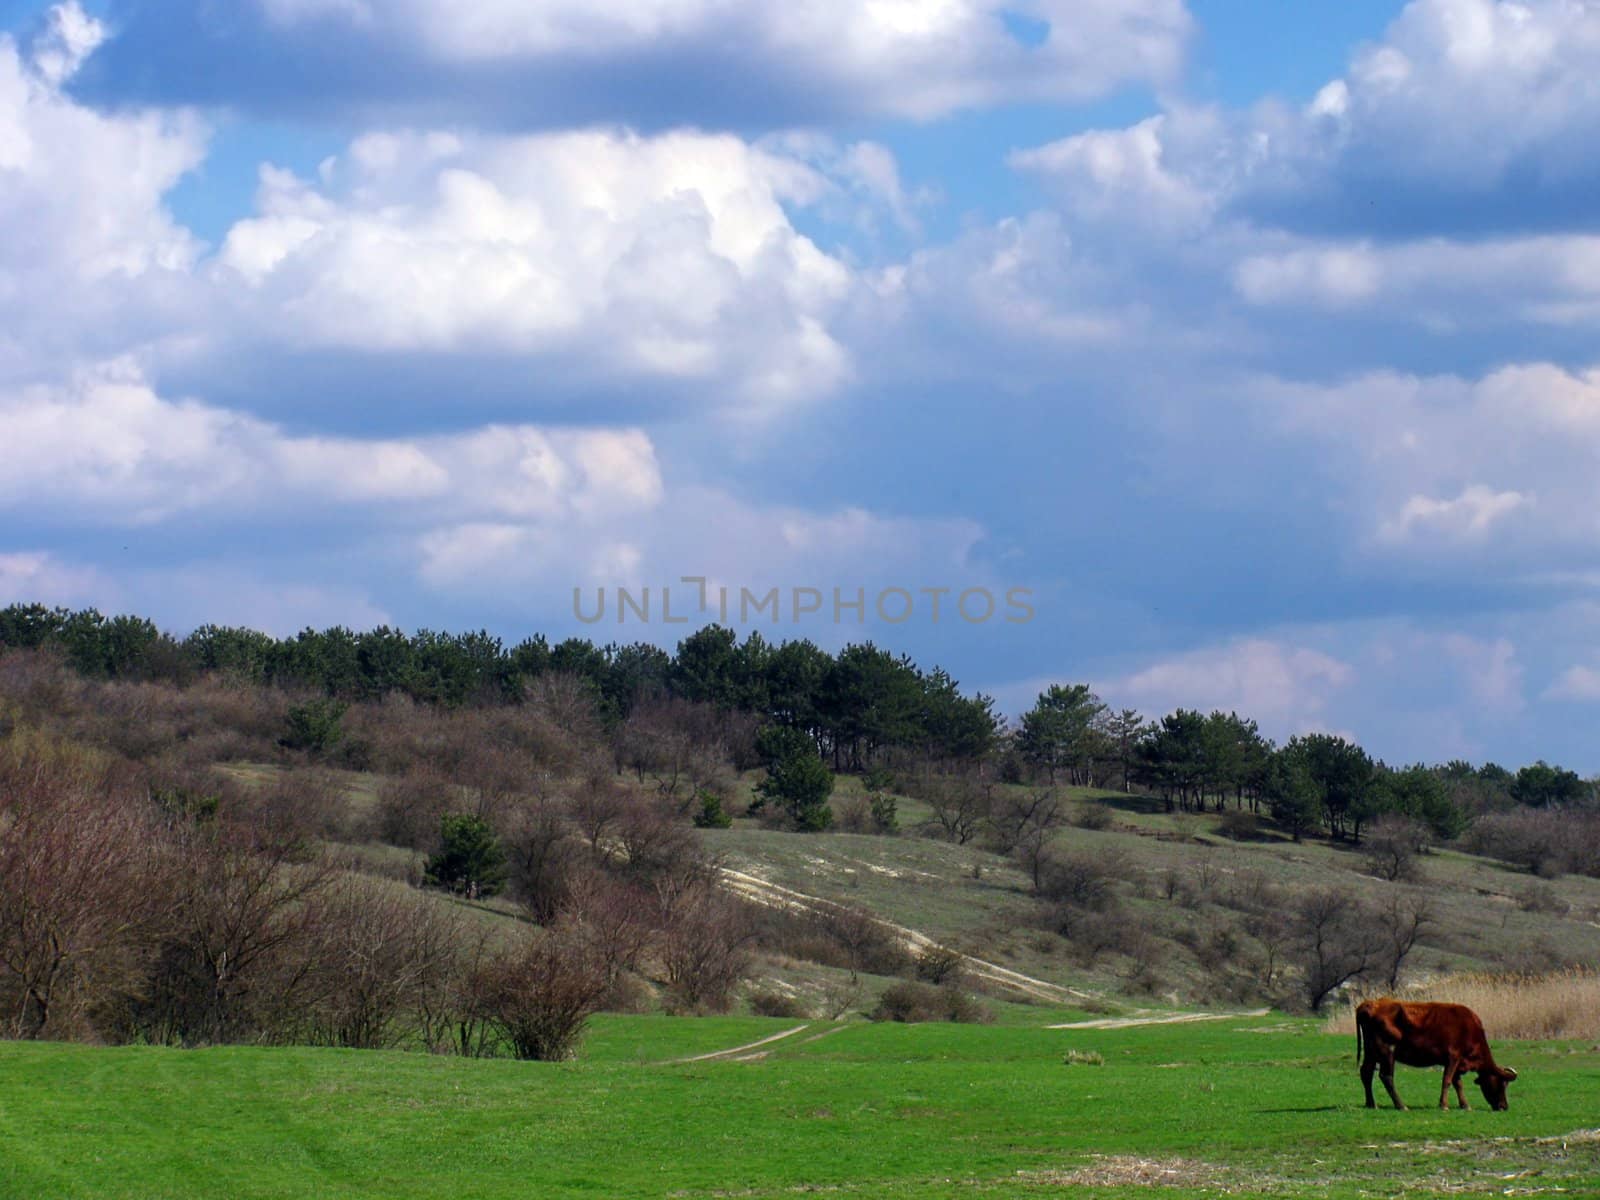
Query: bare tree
pixel 1338 942
pixel 1405 916
pixel 960 804
pixel 80 899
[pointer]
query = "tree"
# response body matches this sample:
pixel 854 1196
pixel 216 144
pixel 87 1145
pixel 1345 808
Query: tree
pixel 801 785
pixel 315 726
pixel 1171 757
pixel 469 853
pixel 1339 942
pixel 1055 733
pixel 1544 786
pixel 1122 730
pixel 1293 795
pixel 1344 775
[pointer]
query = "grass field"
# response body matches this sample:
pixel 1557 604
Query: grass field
pixel 1250 1107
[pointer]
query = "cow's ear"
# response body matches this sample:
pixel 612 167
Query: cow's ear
pixel 1507 1074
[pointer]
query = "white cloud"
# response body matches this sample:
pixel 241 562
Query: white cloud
pixel 107 449
pixel 1501 465
pixel 89 251
pixel 1577 682
pixel 1477 112
pixel 1469 516
pixel 669 257
pixel 916 58
pixel 1286 688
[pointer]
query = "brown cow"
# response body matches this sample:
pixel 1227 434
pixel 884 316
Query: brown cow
pixel 1427 1035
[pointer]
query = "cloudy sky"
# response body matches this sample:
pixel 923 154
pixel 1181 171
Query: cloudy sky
pixel 1257 341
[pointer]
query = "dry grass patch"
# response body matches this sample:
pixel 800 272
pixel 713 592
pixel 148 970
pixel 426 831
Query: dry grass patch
pixel 1563 1004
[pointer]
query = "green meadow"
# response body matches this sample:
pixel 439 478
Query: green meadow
pixel 1248 1107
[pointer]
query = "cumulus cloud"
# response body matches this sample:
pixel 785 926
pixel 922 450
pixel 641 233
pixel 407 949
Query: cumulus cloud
pixel 91 252
pixel 704 61
pixel 107 449
pixel 1285 687
pixel 1501 465
pixel 669 257
pixel 1468 114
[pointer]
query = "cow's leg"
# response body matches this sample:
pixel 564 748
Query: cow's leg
pixel 1368 1066
pixel 1461 1098
pixel 1386 1073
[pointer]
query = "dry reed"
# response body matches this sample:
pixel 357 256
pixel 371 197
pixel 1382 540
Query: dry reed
pixel 1563 1004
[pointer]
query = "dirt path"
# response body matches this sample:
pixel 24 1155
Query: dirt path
pixel 774 895
pixel 733 1051
pixel 1175 1019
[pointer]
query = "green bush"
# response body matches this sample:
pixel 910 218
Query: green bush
pixel 469 854
pixel 800 785
pixel 315 726
pixel 711 815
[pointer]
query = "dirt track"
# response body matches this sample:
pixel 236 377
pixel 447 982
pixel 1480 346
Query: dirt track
pixel 775 895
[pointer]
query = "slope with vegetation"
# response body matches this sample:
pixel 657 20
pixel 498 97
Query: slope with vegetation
pixel 378 840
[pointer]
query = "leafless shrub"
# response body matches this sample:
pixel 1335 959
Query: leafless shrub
pixel 1082 879
pixel 839 995
pixel 539 996
pixel 705 947
pixel 1017 815
pixel 910 1001
pixel 410 808
pixel 852 814
pixel 1542 898
pixel 1404 917
pixel 1092 814
pixel 1393 845
pixel 776 1004
pixel 961 803
pixel 380 952
pixel 597 806
pixel 235 964
pixel 545 855
pixel 1239 825
pixel 1532 839
pixel 614 919
pixel 80 901
pixel 940 965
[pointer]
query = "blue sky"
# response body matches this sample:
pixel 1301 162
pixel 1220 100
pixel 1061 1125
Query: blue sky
pixel 1256 341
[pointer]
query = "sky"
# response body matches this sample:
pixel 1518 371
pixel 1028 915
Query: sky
pixel 1242 355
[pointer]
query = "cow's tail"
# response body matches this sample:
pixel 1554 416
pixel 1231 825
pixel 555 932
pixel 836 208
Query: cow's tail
pixel 1359 1044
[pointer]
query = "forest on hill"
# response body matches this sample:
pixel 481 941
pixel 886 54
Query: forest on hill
pixel 374 839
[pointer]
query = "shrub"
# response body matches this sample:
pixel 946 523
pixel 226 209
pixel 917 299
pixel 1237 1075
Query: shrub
pixel 1392 846
pixel 800 784
pixel 939 965
pixel 1091 814
pixel 913 1002
pixel 1239 825
pixel 711 814
pixel 776 1004
pixel 315 726
pixel 540 996
pixel 469 856
pixel 885 818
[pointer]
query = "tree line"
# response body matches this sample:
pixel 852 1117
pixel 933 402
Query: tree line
pixel 853 708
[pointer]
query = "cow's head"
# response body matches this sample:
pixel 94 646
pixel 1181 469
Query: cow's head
pixel 1493 1081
